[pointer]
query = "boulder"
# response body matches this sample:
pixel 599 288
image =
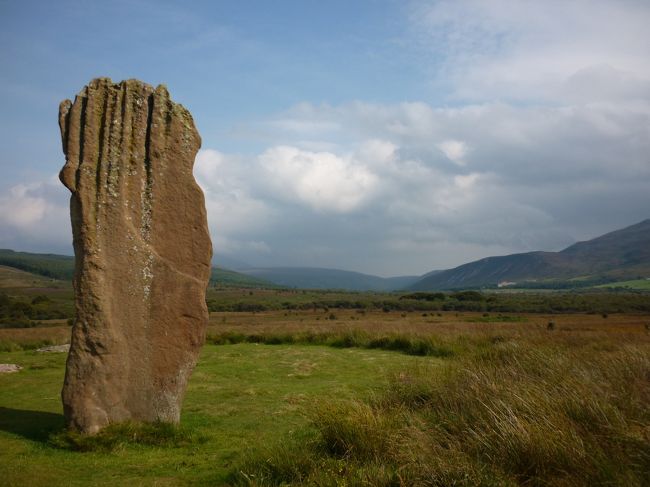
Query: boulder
pixel 142 254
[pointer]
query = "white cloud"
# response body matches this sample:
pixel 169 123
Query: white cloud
pixel 35 215
pixel 322 180
pixel 522 50
pixel 21 207
pixel 232 206
pixel 234 210
pixel 544 140
pixel 494 176
pixel 455 150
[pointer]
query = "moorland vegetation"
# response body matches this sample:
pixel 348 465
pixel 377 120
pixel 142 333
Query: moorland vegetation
pixel 300 387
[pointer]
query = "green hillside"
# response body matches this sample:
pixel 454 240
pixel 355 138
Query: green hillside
pixel 61 267
pixel 226 278
pixel 49 265
pixel 616 256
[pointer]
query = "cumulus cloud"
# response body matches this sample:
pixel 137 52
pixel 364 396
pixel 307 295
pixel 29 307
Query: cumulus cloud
pixel 449 184
pixel 35 216
pixel 236 213
pixel 539 136
pixel 407 187
pixel 322 180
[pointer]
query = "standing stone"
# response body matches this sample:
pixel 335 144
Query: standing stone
pixel 142 254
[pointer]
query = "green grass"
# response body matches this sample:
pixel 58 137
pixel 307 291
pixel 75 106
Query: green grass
pixel 239 396
pixel 351 338
pixel 638 284
pixel 118 436
pixel 278 401
pixel 564 412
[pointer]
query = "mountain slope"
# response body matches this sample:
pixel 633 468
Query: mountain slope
pixel 317 278
pixel 620 254
pixel 221 277
pixel 62 267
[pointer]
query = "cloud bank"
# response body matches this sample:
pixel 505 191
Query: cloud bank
pixel 538 136
pixel 440 186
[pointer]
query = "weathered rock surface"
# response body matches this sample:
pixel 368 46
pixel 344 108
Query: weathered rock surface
pixel 142 253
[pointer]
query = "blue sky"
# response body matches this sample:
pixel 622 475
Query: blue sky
pixel 390 137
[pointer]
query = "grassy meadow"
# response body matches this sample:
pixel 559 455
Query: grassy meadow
pixel 328 388
pixel 239 396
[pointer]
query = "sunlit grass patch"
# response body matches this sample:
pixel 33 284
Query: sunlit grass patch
pixel 510 413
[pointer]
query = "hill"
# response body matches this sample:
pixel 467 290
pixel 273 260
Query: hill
pixel 11 277
pixel 61 267
pixel 49 265
pixel 221 277
pixel 318 278
pixel 619 255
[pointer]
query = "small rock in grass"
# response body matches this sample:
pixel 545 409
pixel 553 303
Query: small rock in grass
pixel 9 368
pixel 65 348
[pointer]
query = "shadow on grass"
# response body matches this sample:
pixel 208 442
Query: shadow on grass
pixel 32 425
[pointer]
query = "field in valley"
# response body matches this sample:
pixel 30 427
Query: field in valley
pixel 303 390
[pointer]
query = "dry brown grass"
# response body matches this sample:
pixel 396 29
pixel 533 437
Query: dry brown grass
pixel 517 404
pixel 56 333
pixel 423 324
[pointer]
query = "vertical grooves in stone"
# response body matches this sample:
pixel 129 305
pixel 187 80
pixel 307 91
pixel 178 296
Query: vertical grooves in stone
pixel 168 120
pixel 64 125
pixel 122 148
pixel 102 146
pixel 82 127
pixel 128 126
pixel 147 138
pixel 82 137
pixel 140 295
pixel 113 167
pixel 147 196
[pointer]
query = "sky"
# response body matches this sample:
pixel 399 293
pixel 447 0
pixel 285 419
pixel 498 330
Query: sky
pixel 380 136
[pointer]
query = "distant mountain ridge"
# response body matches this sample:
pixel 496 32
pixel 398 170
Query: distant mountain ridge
pixel 618 255
pixel 320 278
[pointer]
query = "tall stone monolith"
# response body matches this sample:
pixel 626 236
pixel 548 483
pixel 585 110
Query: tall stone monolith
pixel 142 253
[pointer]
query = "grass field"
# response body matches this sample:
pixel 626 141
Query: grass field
pixel 239 396
pixel 299 394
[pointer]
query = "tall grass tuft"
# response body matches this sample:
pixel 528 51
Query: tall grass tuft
pixel 352 338
pixel 117 436
pixel 511 412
